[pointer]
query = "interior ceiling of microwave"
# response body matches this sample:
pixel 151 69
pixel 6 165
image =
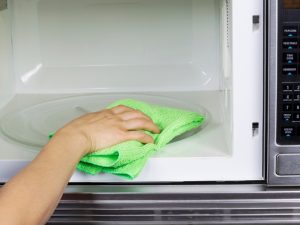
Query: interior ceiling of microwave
pixel 67 45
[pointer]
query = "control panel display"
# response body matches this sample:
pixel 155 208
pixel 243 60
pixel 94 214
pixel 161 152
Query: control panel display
pixel 291 4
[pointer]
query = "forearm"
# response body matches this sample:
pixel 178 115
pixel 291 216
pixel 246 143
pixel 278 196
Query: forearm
pixel 40 184
pixel 32 195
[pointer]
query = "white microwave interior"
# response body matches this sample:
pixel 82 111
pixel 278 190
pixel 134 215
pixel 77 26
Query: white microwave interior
pixel 62 58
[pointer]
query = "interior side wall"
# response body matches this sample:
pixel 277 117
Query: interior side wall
pixel 225 9
pixel 6 72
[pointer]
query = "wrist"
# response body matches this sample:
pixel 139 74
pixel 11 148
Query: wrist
pixel 73 141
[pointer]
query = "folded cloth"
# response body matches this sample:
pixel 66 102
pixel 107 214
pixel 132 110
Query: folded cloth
pixel 127 159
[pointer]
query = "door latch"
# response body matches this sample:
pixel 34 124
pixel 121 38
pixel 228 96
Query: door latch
pixel 255 19
pixel 255 129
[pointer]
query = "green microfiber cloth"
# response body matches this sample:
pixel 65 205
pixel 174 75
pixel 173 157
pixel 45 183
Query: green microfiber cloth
pixel 127 159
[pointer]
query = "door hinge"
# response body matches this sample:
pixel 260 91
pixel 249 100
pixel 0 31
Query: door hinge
pixel 3 5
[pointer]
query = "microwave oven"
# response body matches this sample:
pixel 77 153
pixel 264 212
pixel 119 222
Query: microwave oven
pixel 61 59
pixel 236 61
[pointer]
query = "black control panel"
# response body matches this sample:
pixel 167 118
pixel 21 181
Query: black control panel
pixel 288 72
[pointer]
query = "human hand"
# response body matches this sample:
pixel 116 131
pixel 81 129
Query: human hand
pixel 108 127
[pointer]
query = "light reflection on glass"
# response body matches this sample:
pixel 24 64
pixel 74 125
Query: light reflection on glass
pixel 31 73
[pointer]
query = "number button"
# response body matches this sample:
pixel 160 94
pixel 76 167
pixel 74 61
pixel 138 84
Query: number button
pixel 296 116
pixel 287 97
pixel 287 107
pixel 297 97
pixel 296 107
pixel 296 87
pixel 288 87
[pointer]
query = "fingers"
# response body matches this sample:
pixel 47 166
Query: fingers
pixel 114 111
pixel 140 136
pixel 134 119
pixel 133 114
pixel 127 113
pixel 120 109
pixel 141 124
pixel 132 122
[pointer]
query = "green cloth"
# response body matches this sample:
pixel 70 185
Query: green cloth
pixel 127 159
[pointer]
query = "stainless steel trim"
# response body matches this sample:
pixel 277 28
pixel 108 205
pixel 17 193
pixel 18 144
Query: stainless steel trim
pixel 3 4
pixel 272 90
pixel 288 165
pixel 265 92
pixel 165 188
pixel 169 204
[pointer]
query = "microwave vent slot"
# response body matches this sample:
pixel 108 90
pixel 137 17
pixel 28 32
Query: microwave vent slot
pixel 3 5
pixel 228 22
pixel 226 40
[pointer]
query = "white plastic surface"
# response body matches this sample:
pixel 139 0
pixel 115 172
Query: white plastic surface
pixel 7 80
pixel 118 45
pixel 204 156
pixel 201 149
pixel 248 85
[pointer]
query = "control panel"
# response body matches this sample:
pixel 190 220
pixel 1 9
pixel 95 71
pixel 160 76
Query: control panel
pixel 288 98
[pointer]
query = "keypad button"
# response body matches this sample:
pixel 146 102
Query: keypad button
pixel 287 97
pixel 296 116
pixel 297 97
pixel 287 107
pixel 290 31
pixel 286 117
pixel 289 70
pixel 288 131
pixel 296 87
pixel 289 58
pixel 296 107
pixel 290 43
pixel 288 87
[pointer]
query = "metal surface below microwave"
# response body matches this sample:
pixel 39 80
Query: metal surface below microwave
pixel 237 62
